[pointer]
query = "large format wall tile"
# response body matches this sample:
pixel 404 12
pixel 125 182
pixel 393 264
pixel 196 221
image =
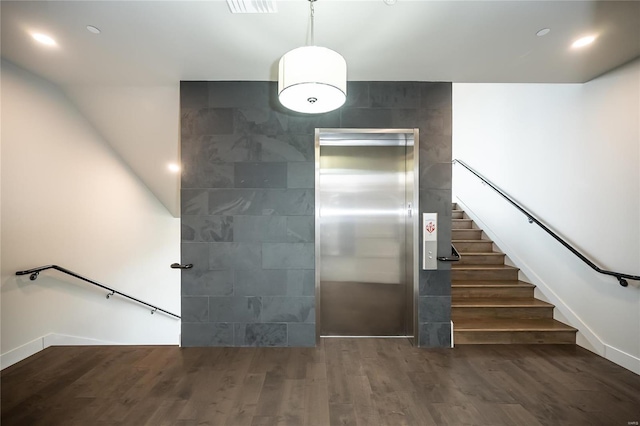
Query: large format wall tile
pixel 235 256
pixel 207 228
pixel 247 204
pixel 260 228
pixel 434 309
pixel 195 309
pixel 235 309
pixel 300 229
pixel 287 147
pixel 194 202
pixel 435 283
pixel 285 202
pixel 301 282
pixel 301 175
pixel 260 282
pixel 199 282
pixel 207 334
pixel 200 173
pixel 260 334
pixel 288 256
pixel 260 175
pixel 302 334
pixel 206 121
pixel 288 309
pixel 435 334
pixel 386 94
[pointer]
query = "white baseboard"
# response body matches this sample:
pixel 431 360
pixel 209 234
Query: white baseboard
pixel 22 352
pixel 11 357
pixel 586 338
pixel 623 359
pixel 55 339
pixel 452 334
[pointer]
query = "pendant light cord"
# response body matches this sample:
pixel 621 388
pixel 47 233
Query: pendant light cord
pixel 313 41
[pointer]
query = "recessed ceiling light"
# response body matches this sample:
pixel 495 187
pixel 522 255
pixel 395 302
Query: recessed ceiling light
pixel 173 167
pixel 584 41
pixel 543 32
pixel 93 29
pixel 44 39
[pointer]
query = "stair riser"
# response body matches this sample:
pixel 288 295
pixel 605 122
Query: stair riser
pixel 466 234
pixel 508 312
pixel 481 260
pixel 457 215
pixel 474 246
pixel 465 292
pixel 513 337
pixel 461 224
pixel 454 206
pixel 484 275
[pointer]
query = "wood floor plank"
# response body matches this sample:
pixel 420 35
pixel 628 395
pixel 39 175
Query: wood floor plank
pixel 271 394
pixel 166 413
pixel 245 405
pixel 342 414
pixel 291 410
pixel 361 382
pixel 316 395
pixel 365 410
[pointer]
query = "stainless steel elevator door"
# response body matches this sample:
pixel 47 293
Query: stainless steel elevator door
pixel 362 219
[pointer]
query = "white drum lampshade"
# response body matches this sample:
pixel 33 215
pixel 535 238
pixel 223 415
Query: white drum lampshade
pixel 312 80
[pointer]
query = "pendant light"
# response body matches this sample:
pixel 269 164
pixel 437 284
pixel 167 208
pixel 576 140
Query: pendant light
pixel 312 79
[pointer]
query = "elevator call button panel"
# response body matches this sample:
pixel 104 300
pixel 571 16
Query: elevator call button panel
pixel 430 241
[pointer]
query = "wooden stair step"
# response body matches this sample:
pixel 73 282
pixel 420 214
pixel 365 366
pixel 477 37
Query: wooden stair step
pixel 463 272
pixel 492 258
pixel 461 223
pixel 481 308
pixel 475 246
pixel 466 234
pixel 510 331
pixel 496 289
pixel 489 305
pixel 515 302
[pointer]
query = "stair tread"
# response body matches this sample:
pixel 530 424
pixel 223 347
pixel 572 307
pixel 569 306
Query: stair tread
pixel 482 253
pixel 501 284
pixel 544 324
pixel 469 241
pixel 482 267
pixel 491 302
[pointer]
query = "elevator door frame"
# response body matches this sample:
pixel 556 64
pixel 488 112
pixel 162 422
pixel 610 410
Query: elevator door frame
pixel 330 133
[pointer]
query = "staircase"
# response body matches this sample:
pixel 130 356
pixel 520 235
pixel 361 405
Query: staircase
pixel 488 303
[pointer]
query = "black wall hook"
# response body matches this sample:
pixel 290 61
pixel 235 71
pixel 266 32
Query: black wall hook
pixel 179 266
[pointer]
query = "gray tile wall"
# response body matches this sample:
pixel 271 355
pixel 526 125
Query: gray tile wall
pixel 248 202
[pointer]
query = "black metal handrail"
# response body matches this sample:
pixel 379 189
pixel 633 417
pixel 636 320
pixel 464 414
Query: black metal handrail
pixel 36 271
pixel 455 256
pixel 622 278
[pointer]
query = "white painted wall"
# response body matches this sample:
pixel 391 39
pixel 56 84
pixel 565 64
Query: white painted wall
pixel 139 121
pixel 570 153
pixel 68 199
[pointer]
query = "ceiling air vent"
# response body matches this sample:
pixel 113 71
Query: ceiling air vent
pixel 252 6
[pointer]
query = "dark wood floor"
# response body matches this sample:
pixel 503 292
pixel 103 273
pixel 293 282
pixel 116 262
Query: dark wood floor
pixel 342 382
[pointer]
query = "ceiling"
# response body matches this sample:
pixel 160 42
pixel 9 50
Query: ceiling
pixel 133 67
